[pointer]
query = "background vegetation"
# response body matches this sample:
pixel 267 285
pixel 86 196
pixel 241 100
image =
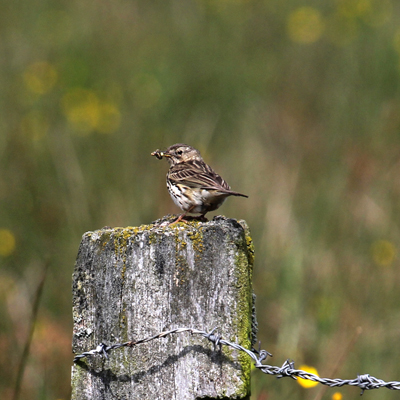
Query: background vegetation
pixel 296 103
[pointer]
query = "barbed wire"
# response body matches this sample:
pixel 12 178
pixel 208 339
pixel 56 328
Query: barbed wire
pixel 365 382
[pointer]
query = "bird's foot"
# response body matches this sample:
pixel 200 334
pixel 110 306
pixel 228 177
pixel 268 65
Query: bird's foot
pixel 187 218
pixel 179 219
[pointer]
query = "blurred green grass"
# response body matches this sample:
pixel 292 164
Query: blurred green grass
pixel 296 104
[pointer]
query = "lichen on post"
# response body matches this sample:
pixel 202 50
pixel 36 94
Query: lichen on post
pixel 130 283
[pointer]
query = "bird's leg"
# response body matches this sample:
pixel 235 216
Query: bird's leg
pixel 181 217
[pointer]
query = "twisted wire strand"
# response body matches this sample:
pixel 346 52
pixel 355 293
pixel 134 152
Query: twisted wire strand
pixel 365 382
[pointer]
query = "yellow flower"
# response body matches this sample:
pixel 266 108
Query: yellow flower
pixel 383 252
pixel 305 25
pixel 7 242
pixel 87 113
pixel 337 396
pixel 81 106
pixel 305 383
pixel 40 77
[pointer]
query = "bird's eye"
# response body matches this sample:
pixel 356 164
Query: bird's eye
pixel 179 152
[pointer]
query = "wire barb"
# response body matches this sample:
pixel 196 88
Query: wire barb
pixel 364 382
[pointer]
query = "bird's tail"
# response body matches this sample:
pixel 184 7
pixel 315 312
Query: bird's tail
pixel 237 194
pixel 227 192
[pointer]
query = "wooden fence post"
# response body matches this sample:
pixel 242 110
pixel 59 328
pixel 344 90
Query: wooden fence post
pixel 130 283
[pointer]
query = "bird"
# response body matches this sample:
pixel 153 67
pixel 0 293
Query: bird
pixel 192 184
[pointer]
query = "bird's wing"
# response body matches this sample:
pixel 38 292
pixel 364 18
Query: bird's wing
pixel 197 174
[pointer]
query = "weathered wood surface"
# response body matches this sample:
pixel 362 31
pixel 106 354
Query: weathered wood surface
pixel 131 283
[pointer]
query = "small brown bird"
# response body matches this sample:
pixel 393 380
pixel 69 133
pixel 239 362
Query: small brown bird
pixel 193 185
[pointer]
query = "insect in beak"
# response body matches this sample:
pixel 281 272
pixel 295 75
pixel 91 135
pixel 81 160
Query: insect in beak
pixel 159 154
